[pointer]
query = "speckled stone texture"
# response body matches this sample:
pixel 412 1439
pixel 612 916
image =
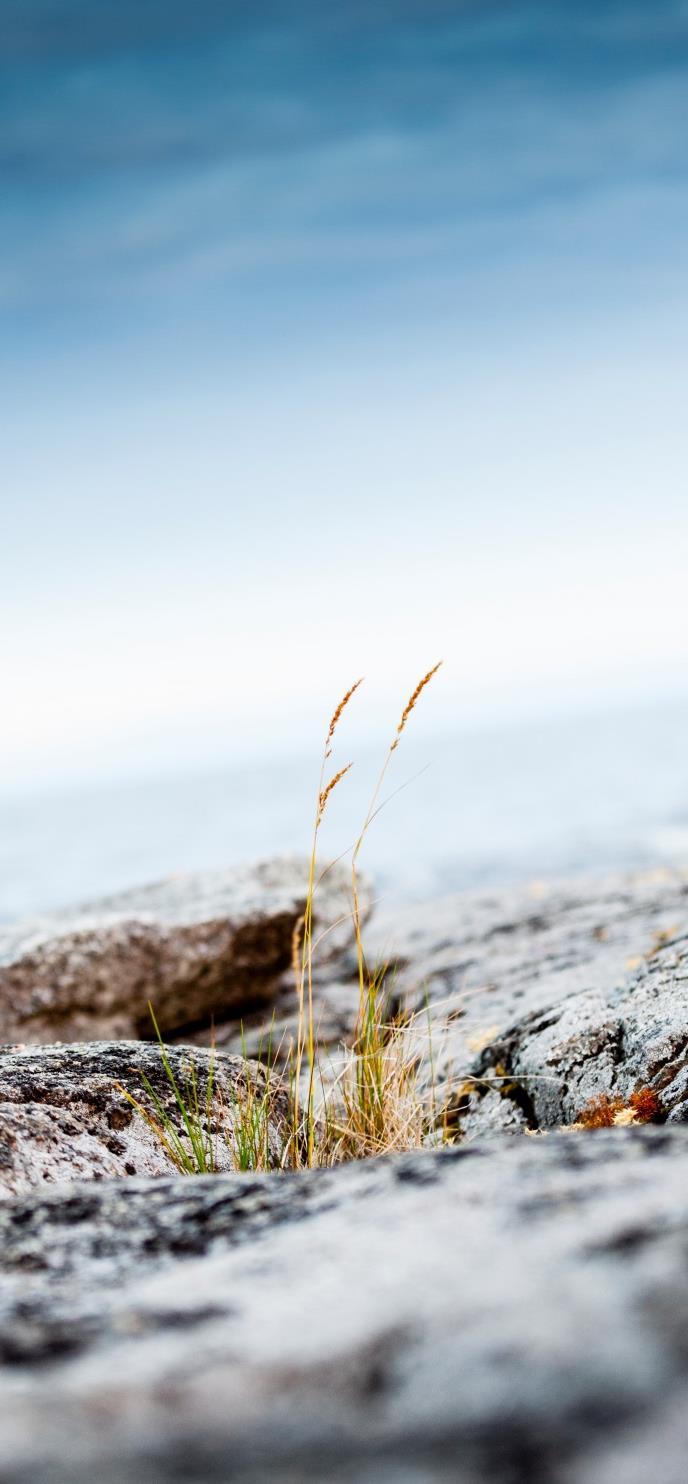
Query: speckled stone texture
pixel 203 948
pixel 477 965
pixel 64 1116
pixel 508 1312
pixel 512 1310
pixel 550 995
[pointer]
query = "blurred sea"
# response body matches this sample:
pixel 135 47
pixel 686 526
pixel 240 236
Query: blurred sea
pixel 489 808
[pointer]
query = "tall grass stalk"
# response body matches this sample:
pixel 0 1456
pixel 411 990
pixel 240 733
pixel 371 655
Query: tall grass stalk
pixel 303 1128
pixel 379 1076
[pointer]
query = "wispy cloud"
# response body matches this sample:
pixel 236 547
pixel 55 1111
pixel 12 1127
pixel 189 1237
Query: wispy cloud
pixel 292 157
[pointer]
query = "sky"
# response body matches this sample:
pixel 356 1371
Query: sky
pixel 335 340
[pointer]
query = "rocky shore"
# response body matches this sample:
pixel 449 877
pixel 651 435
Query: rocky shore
pixel 507 1309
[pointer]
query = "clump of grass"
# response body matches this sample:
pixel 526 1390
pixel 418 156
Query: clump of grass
pixel 375 1104
pixel 193 1151
pixel 252 1127
pixel 253 1122
pixel 246 1119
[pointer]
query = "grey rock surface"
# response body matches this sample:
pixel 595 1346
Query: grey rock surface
pixel 511 1312
pixel 601 1042
pixel 206 947
pixel 64 1115
pixel 550 995
pixel 479 962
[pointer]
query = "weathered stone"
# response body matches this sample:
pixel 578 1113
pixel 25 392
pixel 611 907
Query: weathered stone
pixel 478 962
pixel 63 1115
pixel 511 1312
pixel 551 995
pixel 611 1043
pixel 202 948
pixel 486 972
pixel 539 977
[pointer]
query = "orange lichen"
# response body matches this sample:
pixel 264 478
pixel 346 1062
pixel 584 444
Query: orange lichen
pixel 600 1112
pixel 604 1112
pixel 645 1104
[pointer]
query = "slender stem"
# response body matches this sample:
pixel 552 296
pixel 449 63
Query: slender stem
pixel 306 1028
pixel 360 955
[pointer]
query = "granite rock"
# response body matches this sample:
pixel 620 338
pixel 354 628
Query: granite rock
pixel 203 949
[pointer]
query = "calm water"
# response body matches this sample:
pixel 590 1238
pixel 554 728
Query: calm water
pixel 490 808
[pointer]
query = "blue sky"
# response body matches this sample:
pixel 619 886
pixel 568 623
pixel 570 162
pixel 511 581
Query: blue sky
pixel 333 339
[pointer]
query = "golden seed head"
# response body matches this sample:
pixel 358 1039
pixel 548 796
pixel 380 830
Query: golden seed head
pixel 412 702
pixel 324 796
pixel 336 715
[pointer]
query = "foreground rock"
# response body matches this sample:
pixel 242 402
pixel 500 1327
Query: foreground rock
pixel 64 1115
pixel 505 1313
pixel 202 948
